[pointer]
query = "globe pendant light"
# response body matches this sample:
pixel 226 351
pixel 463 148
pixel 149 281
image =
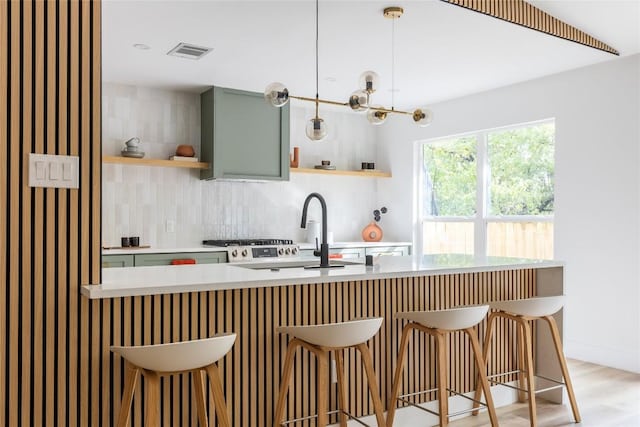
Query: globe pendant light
pixel 278 95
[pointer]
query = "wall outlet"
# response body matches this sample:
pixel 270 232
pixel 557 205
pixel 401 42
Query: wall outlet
pixel 170 226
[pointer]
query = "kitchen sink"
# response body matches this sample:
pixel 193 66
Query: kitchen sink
pixel 275 265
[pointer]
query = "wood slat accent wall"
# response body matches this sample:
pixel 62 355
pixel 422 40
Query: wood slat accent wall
pixel 522 13
pixel 50 88
pixel 251 371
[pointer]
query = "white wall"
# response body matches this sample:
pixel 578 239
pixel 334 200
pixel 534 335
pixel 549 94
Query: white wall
pixel 138 200
pixel 597 205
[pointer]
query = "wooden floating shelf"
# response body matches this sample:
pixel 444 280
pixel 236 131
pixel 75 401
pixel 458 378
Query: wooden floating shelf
pixel 155 162
pixel 368 173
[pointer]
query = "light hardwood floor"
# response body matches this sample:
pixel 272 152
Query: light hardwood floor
pixel 606 397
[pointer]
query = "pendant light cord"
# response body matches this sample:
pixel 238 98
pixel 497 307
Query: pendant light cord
pixel 393 63
pixel 317 92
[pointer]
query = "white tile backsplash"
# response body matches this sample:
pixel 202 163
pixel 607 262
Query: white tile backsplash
pixel 139 200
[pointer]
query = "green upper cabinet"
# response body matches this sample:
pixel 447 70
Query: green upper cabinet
pixel 243 137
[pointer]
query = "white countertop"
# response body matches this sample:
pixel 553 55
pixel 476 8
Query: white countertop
pixel 132 281
pixel 303 245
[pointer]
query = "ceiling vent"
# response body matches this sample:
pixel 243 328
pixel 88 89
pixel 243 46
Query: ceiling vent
pixel 186 50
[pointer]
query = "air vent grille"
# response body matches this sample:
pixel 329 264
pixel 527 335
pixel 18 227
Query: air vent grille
pixel 186 50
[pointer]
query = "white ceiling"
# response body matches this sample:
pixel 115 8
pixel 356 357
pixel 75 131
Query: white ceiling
pixel 442 51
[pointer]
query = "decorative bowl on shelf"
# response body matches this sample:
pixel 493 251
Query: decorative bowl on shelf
pixel 184 150
pixel 133 154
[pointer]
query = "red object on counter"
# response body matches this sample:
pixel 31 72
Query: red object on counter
pixel 183 261
pixel 334 256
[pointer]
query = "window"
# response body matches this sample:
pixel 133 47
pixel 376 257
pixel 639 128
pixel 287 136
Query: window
pixel 489 192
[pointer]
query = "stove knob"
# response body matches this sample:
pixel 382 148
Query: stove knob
pixel 280 251
pixel 245 252
pixel 294 251
pixel 287 251
pixel 234 253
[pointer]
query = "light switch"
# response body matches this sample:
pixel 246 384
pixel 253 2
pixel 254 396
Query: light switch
pixel 66 171
pixel 50 170
pixel 41 168
pixel 54 171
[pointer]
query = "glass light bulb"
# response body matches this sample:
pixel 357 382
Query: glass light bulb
pixel 422 116
pixel 369 81
pixel 316 129
pixel 376 117
pixel 276 94
pixel 359 101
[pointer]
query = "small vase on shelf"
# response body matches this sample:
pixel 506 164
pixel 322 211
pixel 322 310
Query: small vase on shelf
pixel 372 232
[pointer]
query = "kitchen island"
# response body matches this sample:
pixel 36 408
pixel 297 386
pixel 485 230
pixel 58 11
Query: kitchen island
pixel 163 304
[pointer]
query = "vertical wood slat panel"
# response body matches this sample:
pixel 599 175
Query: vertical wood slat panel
pixel 49 285
pixel 26 234
pixel 13 230
pixel 41 263
pixel 4 120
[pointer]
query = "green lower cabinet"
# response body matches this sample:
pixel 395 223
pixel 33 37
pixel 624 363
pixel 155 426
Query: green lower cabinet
pixel 388 250
pixel 146 260
pixel 111 261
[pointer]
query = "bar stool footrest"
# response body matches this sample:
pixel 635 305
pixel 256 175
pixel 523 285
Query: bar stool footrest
pixel 336 411
pixel 451 414
pixel 542 390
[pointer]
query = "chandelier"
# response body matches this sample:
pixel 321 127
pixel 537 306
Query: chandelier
pixel 360 100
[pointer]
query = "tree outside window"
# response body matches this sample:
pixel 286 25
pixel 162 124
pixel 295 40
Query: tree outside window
pixel 490 192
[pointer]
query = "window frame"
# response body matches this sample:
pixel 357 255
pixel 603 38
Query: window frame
pixel 480 220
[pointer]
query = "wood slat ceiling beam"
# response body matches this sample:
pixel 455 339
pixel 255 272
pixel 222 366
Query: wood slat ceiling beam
pixel 522 13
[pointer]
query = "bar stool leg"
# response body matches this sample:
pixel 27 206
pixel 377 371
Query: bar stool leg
pixel 285 381
pixel 442 381
pixel 485 358
pixel 528 354
pixel 522 380
pixel 130 379
pixel 218 395
pixel 342 398
pixel 397 378
pixel 323 384
pixel 563 366
pixel 199 392
pixel 153 399
pixel 480 364
pixel 367 361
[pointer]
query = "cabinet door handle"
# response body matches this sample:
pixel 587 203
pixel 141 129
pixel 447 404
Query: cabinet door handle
pixel 183 261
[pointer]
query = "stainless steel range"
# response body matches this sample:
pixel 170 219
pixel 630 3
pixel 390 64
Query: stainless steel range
pixel 240 250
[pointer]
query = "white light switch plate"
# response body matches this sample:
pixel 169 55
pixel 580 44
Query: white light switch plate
pixel 49 170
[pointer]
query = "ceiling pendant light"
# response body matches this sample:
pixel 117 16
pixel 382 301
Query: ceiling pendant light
pixel 278 95
pixel 316 127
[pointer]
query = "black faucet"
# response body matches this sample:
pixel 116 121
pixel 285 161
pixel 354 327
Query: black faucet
pixel 324 247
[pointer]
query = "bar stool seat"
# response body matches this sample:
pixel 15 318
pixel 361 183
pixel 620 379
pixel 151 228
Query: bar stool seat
pixel 335 335
pixel 439 323
pixel 153 361
pixel 321 340
pixel 523 312
pixel 452 319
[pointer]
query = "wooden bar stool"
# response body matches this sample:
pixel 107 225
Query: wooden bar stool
pixel 523 312
pixel 321 340
pixel 439 323
pixel 154 361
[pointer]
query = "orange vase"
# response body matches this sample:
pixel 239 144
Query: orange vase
pixel 372 233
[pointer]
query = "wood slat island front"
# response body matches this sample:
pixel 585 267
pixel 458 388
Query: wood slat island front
pixel 251 371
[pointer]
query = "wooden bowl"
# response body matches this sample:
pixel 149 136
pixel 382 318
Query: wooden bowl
pixel 185 151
